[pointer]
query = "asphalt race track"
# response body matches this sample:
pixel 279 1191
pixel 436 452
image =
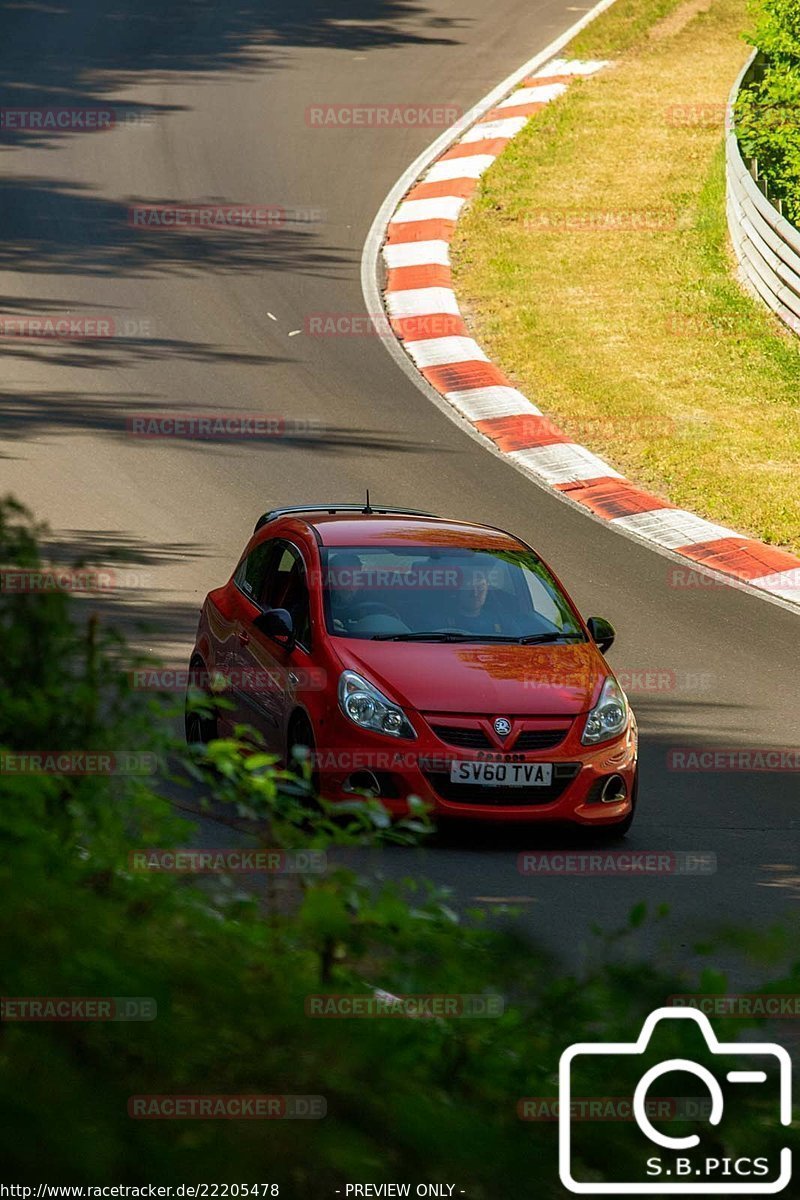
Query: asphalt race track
pixel 219 95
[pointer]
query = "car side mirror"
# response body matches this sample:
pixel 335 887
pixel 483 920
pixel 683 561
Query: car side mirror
pixel 602 631
pixel 277 624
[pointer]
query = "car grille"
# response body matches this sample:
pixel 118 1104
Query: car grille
pixel 461 735
pixel 474 738
pixel 539 739
pixel 475 793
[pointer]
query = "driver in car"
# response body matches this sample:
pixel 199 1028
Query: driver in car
pixel 346 588
pixel 480 608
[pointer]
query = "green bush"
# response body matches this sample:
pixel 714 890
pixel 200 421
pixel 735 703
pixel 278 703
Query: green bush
pixel 767 110
pixel 230 969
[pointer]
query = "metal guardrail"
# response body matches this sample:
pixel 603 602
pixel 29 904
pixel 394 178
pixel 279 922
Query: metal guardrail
pixel 766 244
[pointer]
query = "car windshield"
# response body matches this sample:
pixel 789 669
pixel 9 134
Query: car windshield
pixel 444 594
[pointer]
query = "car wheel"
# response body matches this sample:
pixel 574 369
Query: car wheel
pixel 199 729
pixel 300 746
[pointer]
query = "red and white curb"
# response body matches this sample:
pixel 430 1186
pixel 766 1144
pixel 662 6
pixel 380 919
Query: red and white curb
pixel 425 316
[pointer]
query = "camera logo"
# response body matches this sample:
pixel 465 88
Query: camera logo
pixel 667 1164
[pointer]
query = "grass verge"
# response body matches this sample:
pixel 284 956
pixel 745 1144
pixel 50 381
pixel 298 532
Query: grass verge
pixel 594 267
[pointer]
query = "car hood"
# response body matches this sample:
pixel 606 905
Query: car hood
pixel 487 679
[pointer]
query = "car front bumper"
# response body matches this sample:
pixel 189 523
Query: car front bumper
pixel 349 760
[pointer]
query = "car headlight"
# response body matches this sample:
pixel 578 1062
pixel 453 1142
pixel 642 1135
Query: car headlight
pixel 608 717
pixel 370 709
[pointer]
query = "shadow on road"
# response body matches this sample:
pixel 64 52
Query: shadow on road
pixel 59 228
pixel 70 413
pixel 79 53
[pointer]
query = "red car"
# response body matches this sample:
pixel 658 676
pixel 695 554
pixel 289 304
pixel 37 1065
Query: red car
pixel 413 655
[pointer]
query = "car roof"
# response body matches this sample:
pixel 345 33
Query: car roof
pixel 384 530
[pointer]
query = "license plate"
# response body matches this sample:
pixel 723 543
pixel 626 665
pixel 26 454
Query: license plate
pixel 501 774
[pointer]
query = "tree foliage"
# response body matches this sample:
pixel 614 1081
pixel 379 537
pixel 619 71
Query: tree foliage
pixel 767 110
pixel 231 967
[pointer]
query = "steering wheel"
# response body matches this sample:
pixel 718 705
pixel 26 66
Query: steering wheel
pixel 369 608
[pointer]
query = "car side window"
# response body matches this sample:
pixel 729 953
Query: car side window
pixel 285 586
pixel 253 571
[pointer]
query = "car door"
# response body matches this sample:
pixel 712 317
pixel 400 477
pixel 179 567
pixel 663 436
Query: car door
pixel 251 580
pixel 269 671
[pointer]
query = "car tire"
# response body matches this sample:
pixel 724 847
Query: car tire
pixel 301 736
pixel 199 730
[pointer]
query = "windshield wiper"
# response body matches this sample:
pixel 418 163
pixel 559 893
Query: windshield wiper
pixel 530 639
pixel 440 636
